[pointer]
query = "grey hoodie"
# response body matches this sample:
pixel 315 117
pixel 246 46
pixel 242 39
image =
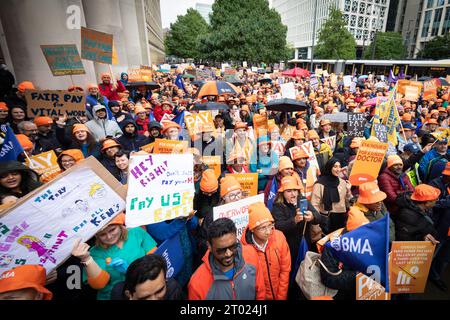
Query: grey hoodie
pixel 100 128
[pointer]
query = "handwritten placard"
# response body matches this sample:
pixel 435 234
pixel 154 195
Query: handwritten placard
pixel 55 103
pixel 63 59
pixel 96 46
pixel 355 125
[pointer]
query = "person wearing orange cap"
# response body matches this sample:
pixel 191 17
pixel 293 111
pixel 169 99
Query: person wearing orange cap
pixel 46 139
pixel 245 114
pixel 272 248
pixel 277 142
pixel 307 173
pixel 100 126
pixel 296 140
pixel 264 161
pixel 110 89
pixel 394 181
pixel 3 113
pixel 80 138
pixel 431 125
pixel 26 143
pixel 17 98
pixel 68 158
pixel 93 98
pixel 26 282
pixel 322 150
pixel 230 190
pixel 109 148
pixel 116 247
pixel 413 219
pixel 314 120
pixel 160 110
pixel 241 143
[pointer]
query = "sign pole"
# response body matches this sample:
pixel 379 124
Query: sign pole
pixel 71 79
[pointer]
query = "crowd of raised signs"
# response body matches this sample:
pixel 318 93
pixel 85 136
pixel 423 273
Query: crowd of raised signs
pixel 303 160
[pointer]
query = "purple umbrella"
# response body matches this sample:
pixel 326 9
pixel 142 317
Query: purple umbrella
pixel 373 101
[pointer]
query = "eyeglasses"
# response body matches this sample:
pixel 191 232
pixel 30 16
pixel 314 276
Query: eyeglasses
pixel 234 196
pixel 267 228
pixel 67 161
pixel 222 251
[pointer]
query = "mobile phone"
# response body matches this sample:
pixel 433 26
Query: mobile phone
pixel 303 206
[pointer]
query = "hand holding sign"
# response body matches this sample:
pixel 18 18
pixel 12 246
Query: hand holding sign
pixel 81 250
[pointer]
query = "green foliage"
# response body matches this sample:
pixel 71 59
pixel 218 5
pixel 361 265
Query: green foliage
pixel 334 40
pixel 389 46
pixel 245 30
pixel 183 38
pixel 438 48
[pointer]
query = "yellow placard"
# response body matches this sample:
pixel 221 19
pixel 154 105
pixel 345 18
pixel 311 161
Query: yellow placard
pixel 368 162
pixel 169 146
pixel 45 164
pixel 194 122
pixel 409 265
pixel 369 289
pixel 148 147
pixel 213 162
pixel 248 181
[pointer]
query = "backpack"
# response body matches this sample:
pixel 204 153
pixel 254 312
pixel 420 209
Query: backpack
pixel 308 277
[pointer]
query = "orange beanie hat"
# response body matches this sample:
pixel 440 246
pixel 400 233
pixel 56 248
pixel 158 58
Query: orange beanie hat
pixel 209 181
pixel 229 184
pixel 258 214
pixel 76 154
pixel 79 127
pixel 43 121
pixel 25 85
pixel 3 106
pixel 393 159
pixel 24 141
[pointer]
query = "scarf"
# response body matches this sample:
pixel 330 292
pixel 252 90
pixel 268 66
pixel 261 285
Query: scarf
pixel 330 183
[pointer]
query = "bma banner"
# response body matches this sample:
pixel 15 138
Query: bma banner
pixel 43 227
pixel 63 59
pixel 160 187
pixel 237 211
pixel 96 46
pixel 55 103
pixel 171 251
pixel 409 265
pixel 45 164
pixel 368 162
pixel 355 125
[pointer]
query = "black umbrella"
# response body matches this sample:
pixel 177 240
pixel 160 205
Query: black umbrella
pixel 236 82
pixel 149 85
pixel 265 80
pixel 198 82
pixel 286 105
pixel 210 106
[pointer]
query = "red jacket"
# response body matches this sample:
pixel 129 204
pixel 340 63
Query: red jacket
pixel 276 262
pixel 142 125
pixel 109 93
pixel 159 113
pixel 390 184
pixel 209 283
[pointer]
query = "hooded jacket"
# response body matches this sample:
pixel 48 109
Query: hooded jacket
pixel 411 222
pixel 100 128
pixel 392 186
pixel 210 283
pixel 134 141
pixel 275 261
pixel 30 179
pixel 441 212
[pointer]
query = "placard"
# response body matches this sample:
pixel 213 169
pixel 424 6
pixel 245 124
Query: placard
pixel 368 162
pixel 169 146
pixel 195 121
pixel 309 149
pixel 369 289
pixel 412 93
pixel 141 74
pixel 380 132
pixel 63 59
pixel 42 227
pixel 148 147
pixel 214 163
pixel 355 125
pixel 55 103
pixel 160 188
pixel 288 90
pixel 429 90
pixel 410 263
pixel 248 182
pixel 347 81
pixel 237 211
pixel 331 141
pixel 96 46
pixel 45 164
pixel 260 125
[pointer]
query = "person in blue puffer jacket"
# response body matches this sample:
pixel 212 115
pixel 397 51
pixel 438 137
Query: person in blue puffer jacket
pixel 264 162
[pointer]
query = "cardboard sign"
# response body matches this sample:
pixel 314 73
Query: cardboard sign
pixel 142 74
pixel 55 103
pixel 203 74
pixel 331 141
pixel 309 149
pixel 96 46
pixel 369 289
pixel 148 147
pixel 314 82
pixel 288 90
pixel 368 162
pixel 169 146
pixel 347 81
pixel 380 132
pixel 45 164
pixel 195 121
pixel 213 162
pixel 42 227
pixel 429 90
pixel 237 211
pixel 160 187
pixel 355 125
pixel 278 147
pixel 248 181
pixel 334 80
pixel 412 93
pixel 260 125
pixel 409 266
pixel 63 59
pixel 271 97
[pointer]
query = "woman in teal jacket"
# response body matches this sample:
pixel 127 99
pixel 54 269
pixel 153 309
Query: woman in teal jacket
pixel 264 161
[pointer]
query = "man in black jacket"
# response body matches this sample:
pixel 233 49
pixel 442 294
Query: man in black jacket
pixel 45 139
pixel 131 140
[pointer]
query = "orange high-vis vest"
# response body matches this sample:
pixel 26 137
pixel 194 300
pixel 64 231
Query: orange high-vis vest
pixel 246 150
pixel 306 186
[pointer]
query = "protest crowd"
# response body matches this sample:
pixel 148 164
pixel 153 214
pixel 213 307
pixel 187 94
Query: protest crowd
pixel 327 154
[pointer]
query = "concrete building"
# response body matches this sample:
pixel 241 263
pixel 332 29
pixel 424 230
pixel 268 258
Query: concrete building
pixel 204 10
pixel 27 24
pixel 420 21
pixel 363 19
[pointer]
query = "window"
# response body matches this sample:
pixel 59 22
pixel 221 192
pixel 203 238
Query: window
pixel 366 34
pixel 347 5
pixel 430 4
pixel 352 21
pixel 440 3
pixel 369 9
pixel 366 22
pixel 355 6
pixel 360 22
pixel 346 18
pixel 446 26
pixel 437 22
pixel 362 8
pixel 358 34
pixel 426 23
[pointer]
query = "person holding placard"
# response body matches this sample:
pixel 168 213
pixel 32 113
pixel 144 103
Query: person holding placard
pixel 235 164
pixel 285 168
pixel 241 143
pixel 68 158
pixel 306 172
pixel 110 89
pixel 297 139
pixel 109 148
pixel 171 130
pixel 322 150
pixel 115 249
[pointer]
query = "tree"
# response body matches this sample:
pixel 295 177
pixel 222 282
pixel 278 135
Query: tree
pixel 182 40
pixel 245 30
pixel 335 41
pixel 438 48
pixel 388 46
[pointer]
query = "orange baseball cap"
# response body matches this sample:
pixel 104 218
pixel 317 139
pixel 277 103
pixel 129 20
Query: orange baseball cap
pixel 369 193
pixel 24 277
pixel 119 219
pixel 289 183
pixel 228 184
pixel 425 192
pixel 258 214
pixel 170 124
pixel 43 121
pixel 24 141
pixel 109 143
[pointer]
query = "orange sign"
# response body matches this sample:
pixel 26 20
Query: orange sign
pixel 409 265
pixel 142 74
pixel 248 181
pixel 369 289
pixel 194 122
pixel 169 146
pixel 412 93
pixel 368 162
pixel 287 133
pixel 45 164
pixel 148 147
pixel 430 89
pixel 260 125
pixel 213 162
pixel 402 84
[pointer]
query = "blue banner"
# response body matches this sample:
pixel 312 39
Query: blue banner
pixel 10 148
pixel 302 249
pixel 272 193
pixel 179 82
pixel 171 251
pixel 365 249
